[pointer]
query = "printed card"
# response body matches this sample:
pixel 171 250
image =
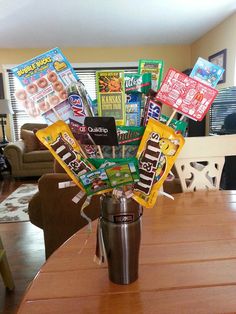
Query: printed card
pixel 206 72
pixel 155 67
pixel 44 80
pixel 186 95
pixel 111 95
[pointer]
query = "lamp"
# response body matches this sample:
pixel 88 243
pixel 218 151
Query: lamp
pixel 4 110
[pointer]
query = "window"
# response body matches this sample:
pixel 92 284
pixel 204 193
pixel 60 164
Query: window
pixel 86 75
pixel 224 104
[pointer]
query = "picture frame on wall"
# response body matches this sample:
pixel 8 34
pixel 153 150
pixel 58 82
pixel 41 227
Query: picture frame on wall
pixel 219 59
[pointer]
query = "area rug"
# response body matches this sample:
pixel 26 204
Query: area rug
pixel 15 207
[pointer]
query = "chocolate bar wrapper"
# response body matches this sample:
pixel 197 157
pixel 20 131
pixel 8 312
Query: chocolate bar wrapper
pixel 60 141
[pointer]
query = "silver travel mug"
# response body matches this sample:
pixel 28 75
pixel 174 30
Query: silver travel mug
pixel 121 231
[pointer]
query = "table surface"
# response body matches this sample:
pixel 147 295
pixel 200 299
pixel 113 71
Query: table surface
pixel 187 264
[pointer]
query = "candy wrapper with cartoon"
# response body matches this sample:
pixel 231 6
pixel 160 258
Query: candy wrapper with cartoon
pixel 157 153
pixel 59 139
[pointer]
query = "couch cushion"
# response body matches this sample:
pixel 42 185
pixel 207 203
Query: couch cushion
pixel 30 140
pixel 38 156
pixel 57 168
pixel 40 144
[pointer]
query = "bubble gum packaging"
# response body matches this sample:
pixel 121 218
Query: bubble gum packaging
pixel 157 153
pixel 59 139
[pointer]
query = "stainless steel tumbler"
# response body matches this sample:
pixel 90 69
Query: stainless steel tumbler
pixel 121 231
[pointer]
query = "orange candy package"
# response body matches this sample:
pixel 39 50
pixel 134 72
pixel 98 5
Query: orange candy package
pixel 59 139
pixel 157 153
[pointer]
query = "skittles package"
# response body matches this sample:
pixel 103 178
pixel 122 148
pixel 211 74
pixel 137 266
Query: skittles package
pixel 157 153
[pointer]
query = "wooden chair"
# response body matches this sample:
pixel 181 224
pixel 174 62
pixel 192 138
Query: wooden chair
pixel 5 269
pixel 200 163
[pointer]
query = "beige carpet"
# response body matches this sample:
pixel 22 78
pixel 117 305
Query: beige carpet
pixel 15 207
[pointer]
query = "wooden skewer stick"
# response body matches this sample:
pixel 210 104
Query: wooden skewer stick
pixel 123 151
pixel 53 109
pixel 171 117
pixel 100 151
pixel 113 152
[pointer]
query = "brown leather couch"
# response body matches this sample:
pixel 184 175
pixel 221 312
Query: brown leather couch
pixel 53 210
pixel 27 156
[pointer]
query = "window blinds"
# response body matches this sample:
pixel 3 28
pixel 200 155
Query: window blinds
pixel 224 104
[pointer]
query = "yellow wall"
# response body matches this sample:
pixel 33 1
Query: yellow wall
pixel 174 55
pixel 219 38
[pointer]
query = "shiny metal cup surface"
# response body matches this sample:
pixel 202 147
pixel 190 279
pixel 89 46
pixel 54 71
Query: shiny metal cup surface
pixel 121 230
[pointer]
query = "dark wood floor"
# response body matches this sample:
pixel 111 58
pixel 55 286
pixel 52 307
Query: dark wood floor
pixel 24 245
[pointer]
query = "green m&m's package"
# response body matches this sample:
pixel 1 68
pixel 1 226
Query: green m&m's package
pixel 137 82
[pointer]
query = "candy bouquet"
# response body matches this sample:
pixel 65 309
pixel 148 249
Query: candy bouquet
pixel 120 145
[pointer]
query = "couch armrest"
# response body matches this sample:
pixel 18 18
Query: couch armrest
pixel 14 153
pixel 35 212
pixel 61 217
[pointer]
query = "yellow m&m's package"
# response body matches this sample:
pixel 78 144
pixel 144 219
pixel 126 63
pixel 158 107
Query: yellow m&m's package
pixel 157 153
pixel 59 139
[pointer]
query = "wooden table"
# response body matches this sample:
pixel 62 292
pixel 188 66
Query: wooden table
pixel 187 264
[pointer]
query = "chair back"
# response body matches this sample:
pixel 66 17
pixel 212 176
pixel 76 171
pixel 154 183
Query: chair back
pixel 201 160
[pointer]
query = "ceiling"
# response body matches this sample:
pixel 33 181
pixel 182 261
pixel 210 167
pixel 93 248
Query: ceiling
pixel 93 23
